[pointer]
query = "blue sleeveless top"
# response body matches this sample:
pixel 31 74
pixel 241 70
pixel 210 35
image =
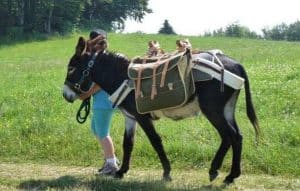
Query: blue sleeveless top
pixel 101 101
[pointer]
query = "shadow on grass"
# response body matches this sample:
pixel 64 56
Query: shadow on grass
pixel 106 184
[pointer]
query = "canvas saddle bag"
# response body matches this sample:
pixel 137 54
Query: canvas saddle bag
pixel 161 82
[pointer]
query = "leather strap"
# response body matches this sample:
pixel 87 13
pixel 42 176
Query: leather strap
pixel 138 83
pixel 154 89
pixel 164 73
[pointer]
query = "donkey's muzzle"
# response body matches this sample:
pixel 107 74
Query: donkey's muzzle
pixel 68 98
pixel 69 95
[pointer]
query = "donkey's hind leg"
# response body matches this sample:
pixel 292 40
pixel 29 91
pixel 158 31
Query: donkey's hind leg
pixel 219 122
pixel 236 138
pixel 235 172
pixel 222 118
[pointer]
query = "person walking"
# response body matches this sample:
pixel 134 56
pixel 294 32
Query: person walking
pixel 102 114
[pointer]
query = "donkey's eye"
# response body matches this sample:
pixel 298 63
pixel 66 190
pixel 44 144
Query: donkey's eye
pixel 71 70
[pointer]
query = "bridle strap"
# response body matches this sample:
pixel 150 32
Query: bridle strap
pixel 86 104
pixel 86 73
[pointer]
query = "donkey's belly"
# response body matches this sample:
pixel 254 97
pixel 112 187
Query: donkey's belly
pixel 188 110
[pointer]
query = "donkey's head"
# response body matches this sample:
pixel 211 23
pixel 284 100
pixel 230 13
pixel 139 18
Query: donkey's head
pixel 78 79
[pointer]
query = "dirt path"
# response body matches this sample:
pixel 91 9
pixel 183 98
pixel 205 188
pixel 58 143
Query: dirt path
pixel 47 177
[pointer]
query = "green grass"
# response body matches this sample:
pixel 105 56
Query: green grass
pixel 37 125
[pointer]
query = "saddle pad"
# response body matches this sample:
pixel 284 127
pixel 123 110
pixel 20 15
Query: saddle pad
pixel 200 75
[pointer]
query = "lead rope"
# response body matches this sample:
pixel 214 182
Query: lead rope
pixel 86 105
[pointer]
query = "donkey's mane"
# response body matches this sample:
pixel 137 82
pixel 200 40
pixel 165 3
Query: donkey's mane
pixel 117 57
pixel 121 61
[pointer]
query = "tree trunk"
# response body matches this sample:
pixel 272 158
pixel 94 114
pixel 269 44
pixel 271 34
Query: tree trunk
pixel 22 14
pixel 92 10
pixel 27 16
pixel 49 20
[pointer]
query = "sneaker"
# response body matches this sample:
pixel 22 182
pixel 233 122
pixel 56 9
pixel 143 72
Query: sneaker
pixel 118 162
pixel 108 169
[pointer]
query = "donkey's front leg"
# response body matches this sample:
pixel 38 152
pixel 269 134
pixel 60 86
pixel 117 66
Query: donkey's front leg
pixel 128 141
pixel 146 123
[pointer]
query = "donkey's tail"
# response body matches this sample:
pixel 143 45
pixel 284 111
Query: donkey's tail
pixel 249 105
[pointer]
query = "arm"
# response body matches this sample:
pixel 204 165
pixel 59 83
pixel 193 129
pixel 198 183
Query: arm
pixel 93 90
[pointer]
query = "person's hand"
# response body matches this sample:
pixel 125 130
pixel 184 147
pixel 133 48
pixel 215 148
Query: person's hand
pixel 95 88
pixel 84 96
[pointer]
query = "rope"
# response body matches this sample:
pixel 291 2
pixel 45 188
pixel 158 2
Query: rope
pixel 86 105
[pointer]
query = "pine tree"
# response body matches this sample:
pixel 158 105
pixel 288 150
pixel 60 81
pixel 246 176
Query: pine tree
pixel 166 29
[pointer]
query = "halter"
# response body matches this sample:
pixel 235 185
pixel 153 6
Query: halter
pixel 86 105
pixel 86 73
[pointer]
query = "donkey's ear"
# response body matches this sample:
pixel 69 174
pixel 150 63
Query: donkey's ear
pixel 81 46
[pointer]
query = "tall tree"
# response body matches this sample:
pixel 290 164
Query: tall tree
pixel 48 16
pixel 6 20
pixel 293 32
pixel 111 14
pixel 66 14
pixel 166 28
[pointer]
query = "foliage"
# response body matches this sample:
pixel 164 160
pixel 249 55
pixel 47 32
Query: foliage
pixel 293 33
pixel 283 32
pixel 112 13
pixel 37 125
pixel 234 30
pixel 166 28
pixel 39 16
pixel 50 16
pixel 279 32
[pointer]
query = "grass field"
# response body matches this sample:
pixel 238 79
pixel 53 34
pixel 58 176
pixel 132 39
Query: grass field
pixel 38 126
pixel 53 177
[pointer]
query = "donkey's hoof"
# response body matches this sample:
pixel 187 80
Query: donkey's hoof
pixel 167 178
pixel 119 175
pixel 228 180
pixel 213 175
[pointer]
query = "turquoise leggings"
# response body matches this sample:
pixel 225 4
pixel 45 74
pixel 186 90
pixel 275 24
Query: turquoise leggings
pixel 101 122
